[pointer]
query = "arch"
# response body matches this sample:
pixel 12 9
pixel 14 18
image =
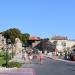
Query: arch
pixel 73 47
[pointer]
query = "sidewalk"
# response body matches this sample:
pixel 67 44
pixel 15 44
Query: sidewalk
pixel 3 69
pixel 68 61
pixel 17 71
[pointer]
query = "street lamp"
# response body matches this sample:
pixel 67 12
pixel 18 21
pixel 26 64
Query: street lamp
pixel 8 41
pixel 12 51
pixel 3 44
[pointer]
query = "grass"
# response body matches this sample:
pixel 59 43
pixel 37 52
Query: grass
pixel 10 64
pixel 2 57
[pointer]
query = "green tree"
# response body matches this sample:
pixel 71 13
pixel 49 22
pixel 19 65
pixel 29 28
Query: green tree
pixel 25 37
pixel 15 33
pixel 12 34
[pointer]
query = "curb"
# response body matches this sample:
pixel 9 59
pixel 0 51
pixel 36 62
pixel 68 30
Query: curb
pixel 5 69
pixel 73 62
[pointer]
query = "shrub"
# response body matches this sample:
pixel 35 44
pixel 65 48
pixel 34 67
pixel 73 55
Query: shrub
pixel 14 64
pixel 2 62
pixel 8 57
pixel 4 65
pixel 1 54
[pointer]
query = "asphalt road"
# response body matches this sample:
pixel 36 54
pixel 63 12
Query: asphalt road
pixel 52 67
pixel 49 67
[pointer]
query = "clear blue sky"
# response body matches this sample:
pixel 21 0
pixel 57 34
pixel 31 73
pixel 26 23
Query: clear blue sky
pixel 43 18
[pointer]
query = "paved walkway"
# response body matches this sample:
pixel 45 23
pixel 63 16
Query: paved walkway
pixel 17 71
pixel 56 58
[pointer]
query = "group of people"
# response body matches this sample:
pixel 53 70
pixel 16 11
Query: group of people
pixel 28 56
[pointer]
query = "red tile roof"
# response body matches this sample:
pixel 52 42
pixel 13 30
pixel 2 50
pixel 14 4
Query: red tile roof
pixel 34 38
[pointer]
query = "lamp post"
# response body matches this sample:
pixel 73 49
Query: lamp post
pixel 23 50
pixel 3 44
pixel 12 51
pixel 8 41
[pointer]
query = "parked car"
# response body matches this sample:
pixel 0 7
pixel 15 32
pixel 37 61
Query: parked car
pixel 72 55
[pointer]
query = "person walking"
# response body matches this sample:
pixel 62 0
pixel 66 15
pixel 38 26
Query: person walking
pixel 41 56
pixel 25 56
pixel 30 57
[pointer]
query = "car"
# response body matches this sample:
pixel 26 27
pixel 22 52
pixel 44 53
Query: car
pixel 72 55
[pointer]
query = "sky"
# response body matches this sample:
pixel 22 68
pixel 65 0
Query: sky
pixel 43 18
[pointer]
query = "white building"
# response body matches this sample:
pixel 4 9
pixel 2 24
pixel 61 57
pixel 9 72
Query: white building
pixel 61 44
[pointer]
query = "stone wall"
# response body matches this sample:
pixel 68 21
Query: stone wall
pixel 18 45
pixel 2 41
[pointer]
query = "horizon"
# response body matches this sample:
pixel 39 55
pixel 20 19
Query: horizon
pixel 42 18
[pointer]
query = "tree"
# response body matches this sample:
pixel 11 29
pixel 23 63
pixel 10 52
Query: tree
pixel 45 45
pixel 25 37
pixel 15 33
pixel 12 34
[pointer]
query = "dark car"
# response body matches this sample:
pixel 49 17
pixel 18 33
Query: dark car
pixel 72 55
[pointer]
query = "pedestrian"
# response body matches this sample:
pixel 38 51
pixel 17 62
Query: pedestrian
pixel 24 56
pixel 30 57
pixel 41 56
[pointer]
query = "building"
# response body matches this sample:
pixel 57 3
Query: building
pixel 33 41
pixel 63 43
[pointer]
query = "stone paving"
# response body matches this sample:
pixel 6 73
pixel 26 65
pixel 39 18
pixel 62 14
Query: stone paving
pixel 17 71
